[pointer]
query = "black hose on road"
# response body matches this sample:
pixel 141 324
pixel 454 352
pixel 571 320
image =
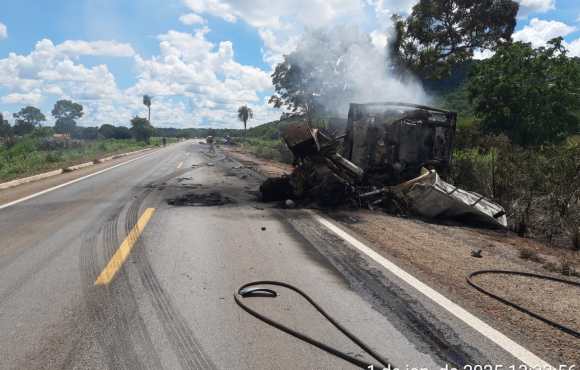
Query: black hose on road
pixel 556 325
pixel 254 290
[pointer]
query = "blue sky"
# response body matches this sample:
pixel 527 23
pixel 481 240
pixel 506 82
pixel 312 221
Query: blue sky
pixel 107 53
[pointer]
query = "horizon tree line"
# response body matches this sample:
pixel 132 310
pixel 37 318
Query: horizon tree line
pixel 66 113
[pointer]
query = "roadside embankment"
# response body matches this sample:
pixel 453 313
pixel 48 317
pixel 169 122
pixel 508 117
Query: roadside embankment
pixel 31 155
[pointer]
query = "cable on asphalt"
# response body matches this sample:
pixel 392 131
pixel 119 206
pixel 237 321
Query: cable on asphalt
pixel 556 325
pixel 254 289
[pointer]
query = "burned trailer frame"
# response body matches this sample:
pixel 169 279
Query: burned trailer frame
pixel 395 140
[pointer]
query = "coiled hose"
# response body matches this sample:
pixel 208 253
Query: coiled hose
pixel 556 325
pixel 254 289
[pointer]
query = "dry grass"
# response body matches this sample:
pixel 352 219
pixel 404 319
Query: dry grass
pixel 528 254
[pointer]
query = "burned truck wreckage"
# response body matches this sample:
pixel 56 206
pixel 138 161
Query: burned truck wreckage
pixel 390 156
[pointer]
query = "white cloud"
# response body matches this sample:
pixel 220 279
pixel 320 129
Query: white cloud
pixel 276 44
pixel 573 48
pixel 191 19
pixel 483 54
pixel 279 22
pixel 31 98
pixel 535 6
pixel 96 48
pixel 384 9
pixel 213 7
pixel 3 31
pixel 538 31
pixel 48 73
pixel 194 80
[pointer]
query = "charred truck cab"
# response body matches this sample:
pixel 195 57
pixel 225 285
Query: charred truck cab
pixel 393 141
pixel 392 157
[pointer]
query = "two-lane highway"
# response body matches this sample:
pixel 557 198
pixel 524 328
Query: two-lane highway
pixel 135 268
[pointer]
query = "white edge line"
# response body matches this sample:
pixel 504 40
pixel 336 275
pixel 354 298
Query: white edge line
pixel 72 182
pixel 527 357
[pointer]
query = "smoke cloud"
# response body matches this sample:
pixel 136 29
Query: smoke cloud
pixel 344 66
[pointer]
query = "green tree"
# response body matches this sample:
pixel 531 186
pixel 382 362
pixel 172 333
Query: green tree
pixel 530 95
pixel 122 133
pixel 88 133
pixel 245 114
pixel 67 109
pixel 147 102
pixel 66 113
pixel 438 34
pixel 22 128
pixel 65 126
pixel 29 117
pixel 141 129
pixel 107 131
pixel 5 128
pixel 293 88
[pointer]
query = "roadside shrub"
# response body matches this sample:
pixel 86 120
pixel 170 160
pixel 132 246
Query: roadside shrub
pixel 54 157
pixel 472 170
pixel 23 146
pixel 29 155
pixel 468 134
pixel 103 146
pixel 539 187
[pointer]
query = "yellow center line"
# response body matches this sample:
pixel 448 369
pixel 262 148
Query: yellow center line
pixel 124 250
pixel 179 165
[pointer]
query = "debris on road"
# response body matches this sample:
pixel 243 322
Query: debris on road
pixel 290 203
pixel 200 200
pixel 432 197
pixel 476 253
pixel 392 154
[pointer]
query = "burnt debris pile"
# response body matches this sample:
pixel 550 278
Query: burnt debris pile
pixel 391 156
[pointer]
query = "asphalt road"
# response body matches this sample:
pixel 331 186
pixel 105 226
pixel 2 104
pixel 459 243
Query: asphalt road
pixel 170 304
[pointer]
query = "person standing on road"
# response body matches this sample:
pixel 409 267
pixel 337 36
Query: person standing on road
pixel 210 141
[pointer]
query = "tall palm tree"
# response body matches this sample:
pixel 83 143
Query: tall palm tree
pixel 245 114
pixel 147 101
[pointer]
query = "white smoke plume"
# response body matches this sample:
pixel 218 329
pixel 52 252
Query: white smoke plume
pixel 346 67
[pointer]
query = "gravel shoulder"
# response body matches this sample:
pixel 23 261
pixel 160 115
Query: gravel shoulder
pixel 441 256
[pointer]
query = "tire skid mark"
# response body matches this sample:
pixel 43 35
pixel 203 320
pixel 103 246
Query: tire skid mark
pixel 94 299
pixel 189 352
pixel 131 308
pixel 425 331
pixel 113 308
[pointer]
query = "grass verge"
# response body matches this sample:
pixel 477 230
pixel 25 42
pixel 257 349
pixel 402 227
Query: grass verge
pixel 27 157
